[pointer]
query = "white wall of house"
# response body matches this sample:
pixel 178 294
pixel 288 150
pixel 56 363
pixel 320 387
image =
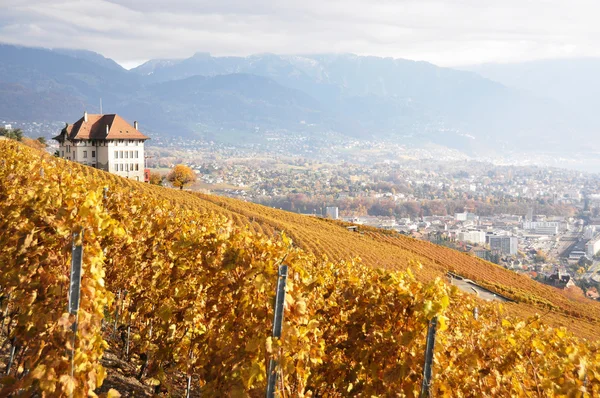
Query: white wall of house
pixel 121 157
pixel 126 158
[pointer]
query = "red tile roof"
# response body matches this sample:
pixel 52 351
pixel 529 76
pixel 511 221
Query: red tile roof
pixel 96 129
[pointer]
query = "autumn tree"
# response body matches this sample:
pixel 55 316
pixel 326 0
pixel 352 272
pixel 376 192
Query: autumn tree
pixel 181 175
pixel 16 134
pixel 539 257
pixel 156 178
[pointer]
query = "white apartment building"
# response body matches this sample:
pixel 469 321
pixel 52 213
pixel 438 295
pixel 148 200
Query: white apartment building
pixel 465 216
pixel 504 244
pixel 542 227
pixel 332 212
pixel 592 247
pixel 589 232
pixel 106 142
pixel 471 236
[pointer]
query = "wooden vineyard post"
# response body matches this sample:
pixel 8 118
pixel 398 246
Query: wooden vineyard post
pixel 75 290
pixel 188 389
pixel 116 313
pixel 277 327
pixel 127 344
pixel 5 316
pixel 428 358
pixel 13 352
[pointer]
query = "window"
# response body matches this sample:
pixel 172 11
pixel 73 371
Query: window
pixel 116 154
pixel 85 154
pixel 126 166
pixel 131 154
pixel 137 167
pixel 126 154
pixel 136 154
pixel 116 167
pixel 62 154
pixel 93 154
pixel 121 154
pixel 121 167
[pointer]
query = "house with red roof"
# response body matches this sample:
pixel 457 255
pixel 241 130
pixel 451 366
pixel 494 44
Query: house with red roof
pixel 106 142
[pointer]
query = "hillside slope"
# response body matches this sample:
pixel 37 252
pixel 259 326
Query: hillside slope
pixel 177 291
pixel 394 251
pixel 388 250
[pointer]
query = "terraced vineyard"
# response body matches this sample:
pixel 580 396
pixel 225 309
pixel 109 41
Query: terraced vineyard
pixel 383 249
pixel 392 251
pixel 187 281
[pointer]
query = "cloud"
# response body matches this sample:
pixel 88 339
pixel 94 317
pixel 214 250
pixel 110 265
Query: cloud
pixel 450 32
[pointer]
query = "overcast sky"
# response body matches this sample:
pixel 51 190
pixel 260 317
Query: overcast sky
pixel 445 32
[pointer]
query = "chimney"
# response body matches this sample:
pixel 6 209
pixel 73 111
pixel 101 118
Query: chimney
pixel 85 116
pixel 135 125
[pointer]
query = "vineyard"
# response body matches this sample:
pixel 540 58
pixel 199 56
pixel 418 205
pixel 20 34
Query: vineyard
pixel 182 287
pixel 393 251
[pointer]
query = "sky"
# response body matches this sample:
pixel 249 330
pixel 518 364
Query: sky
pixel 446 33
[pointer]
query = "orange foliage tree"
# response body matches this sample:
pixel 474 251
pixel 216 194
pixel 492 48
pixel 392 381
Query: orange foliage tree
pixel 181 175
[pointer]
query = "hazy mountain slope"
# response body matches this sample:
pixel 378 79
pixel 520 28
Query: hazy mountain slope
pixel 18 102
pixel 237 101
pixel 92 57
pixel 574 83
pixel 375 98
pixel 41 84
pixel 569 81
pixel 385 96
pixel 54 76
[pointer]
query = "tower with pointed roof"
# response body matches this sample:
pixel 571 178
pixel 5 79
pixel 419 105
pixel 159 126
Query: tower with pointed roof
pixel 106 142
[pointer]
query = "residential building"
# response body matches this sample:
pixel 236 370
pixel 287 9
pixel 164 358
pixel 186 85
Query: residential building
pixel 561 280
pixel 542 227
pixel 471 236
pixel 589 232
pixel 505 244
pixel 592 247
pixel 576 254
pixel 106 142
pixel 332 212
pixel 466 216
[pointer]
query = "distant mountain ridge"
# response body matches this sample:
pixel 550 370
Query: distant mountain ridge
pixel 393 96
pixel 370 97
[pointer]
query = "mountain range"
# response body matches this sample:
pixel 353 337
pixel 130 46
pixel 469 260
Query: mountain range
pixel 484 108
